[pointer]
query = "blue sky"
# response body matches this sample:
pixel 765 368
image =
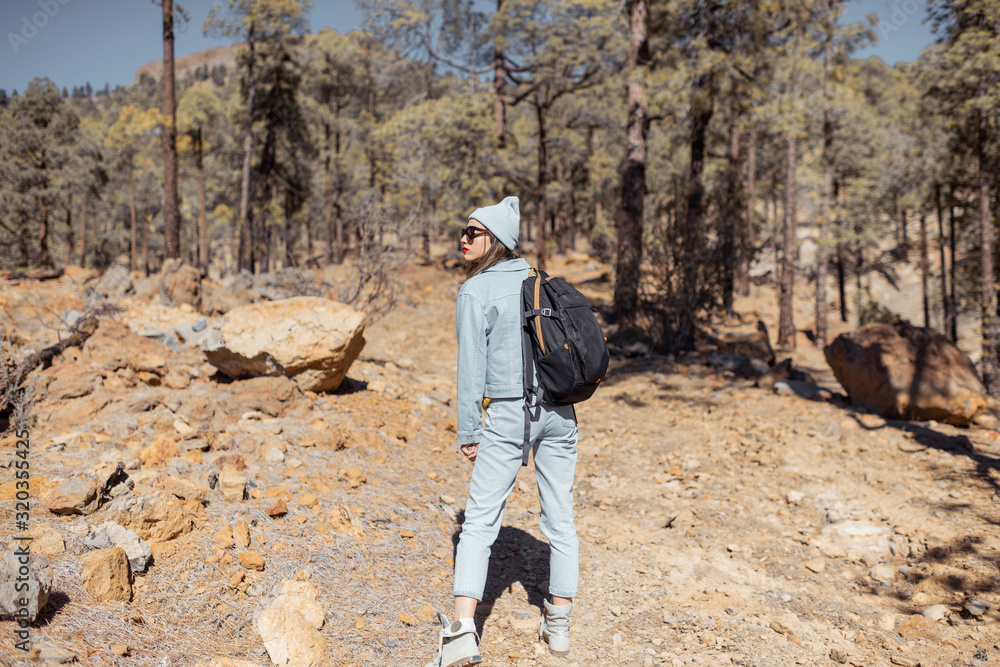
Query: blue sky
pixel 75 41
pixel 108 40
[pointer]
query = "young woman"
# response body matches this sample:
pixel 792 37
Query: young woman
pixel 490 366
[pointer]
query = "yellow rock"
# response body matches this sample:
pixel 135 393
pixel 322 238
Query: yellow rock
pixel 251 560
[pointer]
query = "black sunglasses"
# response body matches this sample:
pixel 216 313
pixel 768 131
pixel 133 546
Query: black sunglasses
pixel 472 232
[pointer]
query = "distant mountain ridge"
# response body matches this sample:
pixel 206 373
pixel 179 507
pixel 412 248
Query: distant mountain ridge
pixel 184 65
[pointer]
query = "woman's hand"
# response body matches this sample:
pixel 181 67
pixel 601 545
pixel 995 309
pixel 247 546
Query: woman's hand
pixel 470 451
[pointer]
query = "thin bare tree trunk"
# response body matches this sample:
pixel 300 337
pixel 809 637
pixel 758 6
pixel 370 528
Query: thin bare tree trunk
pixel 171 216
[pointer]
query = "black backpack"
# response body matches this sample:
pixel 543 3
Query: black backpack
pixel 562 338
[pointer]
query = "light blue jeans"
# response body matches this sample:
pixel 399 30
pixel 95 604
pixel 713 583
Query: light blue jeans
pixel 553 439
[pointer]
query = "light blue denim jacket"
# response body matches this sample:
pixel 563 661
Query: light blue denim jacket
pixel 488 322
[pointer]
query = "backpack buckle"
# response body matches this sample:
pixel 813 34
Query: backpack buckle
pixel 546 312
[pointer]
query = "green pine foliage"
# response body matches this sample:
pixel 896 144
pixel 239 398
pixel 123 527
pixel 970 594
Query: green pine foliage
pixel 437 106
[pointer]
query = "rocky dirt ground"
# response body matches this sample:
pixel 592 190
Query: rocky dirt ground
pixel 701 503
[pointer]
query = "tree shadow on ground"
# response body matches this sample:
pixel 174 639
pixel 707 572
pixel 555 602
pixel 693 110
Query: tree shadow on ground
pixel 517 557
pixel 956 445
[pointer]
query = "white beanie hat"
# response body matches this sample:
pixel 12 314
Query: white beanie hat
pixel 503 220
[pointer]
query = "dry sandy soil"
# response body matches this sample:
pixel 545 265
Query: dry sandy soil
pixel 700 503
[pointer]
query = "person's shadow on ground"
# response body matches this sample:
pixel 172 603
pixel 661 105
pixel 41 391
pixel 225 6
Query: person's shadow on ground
pixel 516 557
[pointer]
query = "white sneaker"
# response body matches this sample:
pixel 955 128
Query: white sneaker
pixel 553 628
pixel 458 645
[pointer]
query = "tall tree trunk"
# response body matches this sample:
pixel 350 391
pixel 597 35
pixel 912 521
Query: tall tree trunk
pixel 990 325
pixel 826 211
pixel 131 205
pixel 147 230
pixel 859 264
pixel 598 189
pixel 45 253
pixel 728 226
pixel 842 280
pixel 246 250
pixel 171 215
pixel 951 251
pixel 83 231
pixel 904 242
pixel 338 194
pixel 629 261
pixel 543 168
pixel 924 269
pixel 328 194
pixel 425 183
pixel 946 312
pixel 70 238
pixel 499 91
pixel 571 220
pixel 203 243
pixel 289 237
pixel 692 234
pixel 786 321
pixel 786 324
pixel 748 235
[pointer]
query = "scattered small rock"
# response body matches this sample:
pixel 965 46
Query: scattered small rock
pixel 233 483
pixel 39 581
pixel 935 612
pixel 241 534
pixel 106 575
pixel 278 508
pixel 353 476
pixel 110 535
pixel 251 560
pixel 977 607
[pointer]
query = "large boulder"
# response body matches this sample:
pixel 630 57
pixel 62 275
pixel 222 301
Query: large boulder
pixel 905 372
pixel 309 339
pixel 179 283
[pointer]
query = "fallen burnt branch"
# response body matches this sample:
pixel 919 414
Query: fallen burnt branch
pixel 10 383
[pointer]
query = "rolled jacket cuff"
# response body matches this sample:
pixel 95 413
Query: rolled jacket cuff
pixel 470 439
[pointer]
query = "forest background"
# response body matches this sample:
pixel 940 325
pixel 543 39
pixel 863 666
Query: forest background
pixel 681 141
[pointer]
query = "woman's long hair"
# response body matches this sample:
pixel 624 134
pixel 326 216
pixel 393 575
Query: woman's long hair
pixel 498 252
